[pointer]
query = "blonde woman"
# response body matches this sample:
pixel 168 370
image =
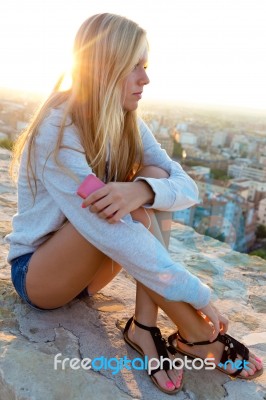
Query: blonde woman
pixel 62 245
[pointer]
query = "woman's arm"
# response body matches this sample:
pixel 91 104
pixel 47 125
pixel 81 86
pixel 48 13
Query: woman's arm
pixel 178 191
pixel 129 243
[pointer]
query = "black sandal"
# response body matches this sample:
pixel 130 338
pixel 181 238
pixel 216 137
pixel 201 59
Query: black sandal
pixel 161 347
pixel 232 348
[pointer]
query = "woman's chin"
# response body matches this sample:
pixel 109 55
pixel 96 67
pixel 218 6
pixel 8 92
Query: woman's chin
pixel 131 107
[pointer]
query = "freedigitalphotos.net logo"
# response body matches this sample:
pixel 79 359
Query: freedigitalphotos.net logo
pixel 117 364
pixel 238 364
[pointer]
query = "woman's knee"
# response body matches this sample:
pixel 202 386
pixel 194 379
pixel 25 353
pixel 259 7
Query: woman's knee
pixel 143 215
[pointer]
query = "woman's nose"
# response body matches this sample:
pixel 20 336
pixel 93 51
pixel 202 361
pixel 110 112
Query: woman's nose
pixel 144 78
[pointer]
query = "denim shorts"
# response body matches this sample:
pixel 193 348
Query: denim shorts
pixel 19 269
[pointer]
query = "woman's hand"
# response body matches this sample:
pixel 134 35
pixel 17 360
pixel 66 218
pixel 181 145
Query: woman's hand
pixel 117 199
pixel 213 316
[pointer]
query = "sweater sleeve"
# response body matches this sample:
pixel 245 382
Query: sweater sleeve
pixel 129 243
pixel 178 191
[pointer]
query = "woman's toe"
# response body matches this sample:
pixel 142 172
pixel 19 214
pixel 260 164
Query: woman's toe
pixel 163 380
pixel 178 381
pixel 244 373
pixel 169 385
pixel 255 362
pixel 259 361
pixel 176 377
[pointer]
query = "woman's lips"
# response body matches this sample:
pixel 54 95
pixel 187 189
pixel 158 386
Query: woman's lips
pixel 138 95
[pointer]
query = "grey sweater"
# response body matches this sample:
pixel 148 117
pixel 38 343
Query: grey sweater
pixel 129 243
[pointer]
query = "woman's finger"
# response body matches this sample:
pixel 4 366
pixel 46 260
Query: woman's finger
pixel 101 204
pixel 212 317
pixel 223 324
pixel 108 212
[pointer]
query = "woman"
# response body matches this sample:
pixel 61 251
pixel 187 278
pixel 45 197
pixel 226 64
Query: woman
pixel 61 245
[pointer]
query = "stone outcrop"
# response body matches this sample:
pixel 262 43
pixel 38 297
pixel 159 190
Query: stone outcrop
pixel 91 327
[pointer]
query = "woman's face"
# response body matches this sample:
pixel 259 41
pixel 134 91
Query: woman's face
pixel 134 84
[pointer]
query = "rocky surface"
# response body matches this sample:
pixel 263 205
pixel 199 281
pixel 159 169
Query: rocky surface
pixel 91 327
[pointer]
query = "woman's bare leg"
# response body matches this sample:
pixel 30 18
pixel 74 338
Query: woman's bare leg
pixel 146 310
pixel 61 268
pixel 106 272
pixel 73 264
pixel 194 328
pixel 191 325
pixel 164 219
pixel 146 313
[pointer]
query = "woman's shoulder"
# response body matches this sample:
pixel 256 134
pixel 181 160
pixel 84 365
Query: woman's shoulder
pixel 143 127
pixel 50 125
pixel 145 132
pixel 54 116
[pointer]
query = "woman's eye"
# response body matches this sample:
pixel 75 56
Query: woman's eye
pixel 137 65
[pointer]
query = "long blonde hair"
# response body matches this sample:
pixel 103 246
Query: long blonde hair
pixel 106 48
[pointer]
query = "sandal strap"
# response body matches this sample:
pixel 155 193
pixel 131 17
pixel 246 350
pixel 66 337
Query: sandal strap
pixel 177 335
pixel 129 322
pixel 232 348
pixel 159 341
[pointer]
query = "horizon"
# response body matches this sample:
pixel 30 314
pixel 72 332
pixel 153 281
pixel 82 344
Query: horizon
pixel 38 96
pixel 209 53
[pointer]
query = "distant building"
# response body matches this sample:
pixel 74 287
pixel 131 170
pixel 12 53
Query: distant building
pixel 244 171
pixel 182 127
pixel 219 139
pixel 243 146
pixel 187 138
pixel 199 172
pixel 222 213
pixel 262 160
pixel 241 186
pixel 185 217
pixel 262 212
pixel 252 190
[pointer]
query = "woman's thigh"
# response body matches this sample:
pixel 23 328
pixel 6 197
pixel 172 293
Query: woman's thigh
pixel 61 267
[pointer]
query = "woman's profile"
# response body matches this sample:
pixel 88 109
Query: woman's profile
pixel 62 244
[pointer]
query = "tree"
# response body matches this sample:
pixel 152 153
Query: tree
pixel 219 174
pixel 178 149
pixel 260 253
pixel 261 232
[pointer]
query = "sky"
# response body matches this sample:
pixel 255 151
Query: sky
pixel 201 51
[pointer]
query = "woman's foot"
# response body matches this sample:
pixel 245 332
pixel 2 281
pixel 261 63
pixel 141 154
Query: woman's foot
pixel 168 380
pixel 215 350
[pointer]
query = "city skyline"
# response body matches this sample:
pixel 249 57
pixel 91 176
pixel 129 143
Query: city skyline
pixel 201 51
